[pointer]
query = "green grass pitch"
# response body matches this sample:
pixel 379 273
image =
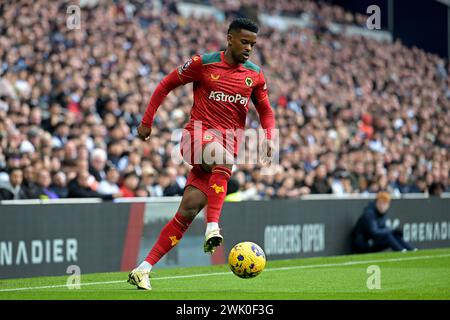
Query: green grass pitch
pixel 424 274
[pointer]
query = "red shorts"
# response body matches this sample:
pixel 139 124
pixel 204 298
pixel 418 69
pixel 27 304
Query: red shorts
pixel 198 178
pixel 191 147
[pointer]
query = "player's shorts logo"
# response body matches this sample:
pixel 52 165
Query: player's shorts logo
pixel 215 78
pixel 208 137
pixel 248 81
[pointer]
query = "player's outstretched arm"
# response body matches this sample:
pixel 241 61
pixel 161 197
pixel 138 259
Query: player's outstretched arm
pixel 170 82
pixel 185 73
pixel 266 117
pixel 260 99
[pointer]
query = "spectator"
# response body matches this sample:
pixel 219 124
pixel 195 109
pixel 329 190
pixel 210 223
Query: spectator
pixel 165 186
pixel 162 182
pixel 97 164
pixel 436 189
pixel 79 188
pixel 129 185
pixel 116 154
pixel 371 234
pixel 357 177
pixel 172 188
pixel 43 182
pixel 109 185
pixel 59 184
pixel 326 97
pixel 61 135
pixel 149 180
pixel 403 184
pixel 365 127
pixel 420 185
pixel 321 183
pixel 12 189
pixel 341 183
pixel 29 183
pixel 54 118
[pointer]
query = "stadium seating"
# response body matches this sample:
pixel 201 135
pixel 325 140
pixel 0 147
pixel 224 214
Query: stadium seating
pixel 355 115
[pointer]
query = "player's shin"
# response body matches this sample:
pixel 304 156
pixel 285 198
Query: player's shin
pixel 217 191
pixel 217 188
pixel 169 237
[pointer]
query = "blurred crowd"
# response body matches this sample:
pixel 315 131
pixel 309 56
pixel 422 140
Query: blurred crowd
pixel 355 115
pixel 321 10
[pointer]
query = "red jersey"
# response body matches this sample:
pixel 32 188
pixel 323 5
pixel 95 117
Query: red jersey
pixel 222 93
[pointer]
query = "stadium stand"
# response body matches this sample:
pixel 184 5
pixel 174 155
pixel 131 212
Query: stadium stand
pixel 355 115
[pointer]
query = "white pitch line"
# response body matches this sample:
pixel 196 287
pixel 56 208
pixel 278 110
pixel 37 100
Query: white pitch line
pixel 348 263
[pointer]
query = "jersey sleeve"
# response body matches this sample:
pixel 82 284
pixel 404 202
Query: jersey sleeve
pixel 188 72
pixel 191 70
pixel 260 99
pixel 260 90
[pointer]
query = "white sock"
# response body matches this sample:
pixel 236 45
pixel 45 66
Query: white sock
pixel 211 226
pixel 145 266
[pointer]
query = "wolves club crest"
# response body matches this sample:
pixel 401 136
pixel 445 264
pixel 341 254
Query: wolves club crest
pixel 248 81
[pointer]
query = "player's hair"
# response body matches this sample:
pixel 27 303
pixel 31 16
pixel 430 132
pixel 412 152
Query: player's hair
pixel 243 23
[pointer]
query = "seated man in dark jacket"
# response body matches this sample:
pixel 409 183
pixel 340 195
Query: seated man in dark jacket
pixel 371 233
